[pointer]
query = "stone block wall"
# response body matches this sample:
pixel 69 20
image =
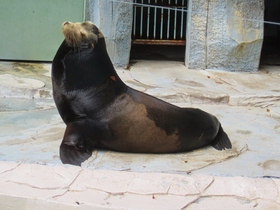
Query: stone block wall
pixel 115 21
pixel 197 18
pixel 232 38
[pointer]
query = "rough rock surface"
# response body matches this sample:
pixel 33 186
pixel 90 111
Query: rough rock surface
pixel 225 35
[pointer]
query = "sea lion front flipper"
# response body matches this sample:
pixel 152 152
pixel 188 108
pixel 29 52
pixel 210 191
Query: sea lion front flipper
pixel 73 149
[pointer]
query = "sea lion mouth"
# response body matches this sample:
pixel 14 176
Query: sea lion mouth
pixel 80 35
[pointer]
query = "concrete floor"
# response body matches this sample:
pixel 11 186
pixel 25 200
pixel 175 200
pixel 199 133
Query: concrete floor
pixel 247 104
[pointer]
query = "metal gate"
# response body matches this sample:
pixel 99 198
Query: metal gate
pixel 154 24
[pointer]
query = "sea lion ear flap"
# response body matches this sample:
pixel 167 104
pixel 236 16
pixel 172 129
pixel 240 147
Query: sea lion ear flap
pixel 93 35
pixel 93 39
pixel 100 35
pixel 97 31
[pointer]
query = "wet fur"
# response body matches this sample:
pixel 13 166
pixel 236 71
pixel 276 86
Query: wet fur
pixel 100 111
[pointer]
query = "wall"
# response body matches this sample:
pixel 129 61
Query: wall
pixel 115 21
pixel 222 35
pixel 197 18
pixel 31 29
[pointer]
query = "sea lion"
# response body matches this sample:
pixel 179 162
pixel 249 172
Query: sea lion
pixel 101 111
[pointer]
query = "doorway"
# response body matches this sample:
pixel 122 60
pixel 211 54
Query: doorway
pixel 271 44
pixel 159 30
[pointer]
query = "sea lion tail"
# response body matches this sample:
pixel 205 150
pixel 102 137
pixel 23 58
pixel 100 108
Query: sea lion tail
pixel 221 140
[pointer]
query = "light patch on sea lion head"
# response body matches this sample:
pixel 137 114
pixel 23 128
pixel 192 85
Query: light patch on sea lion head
pixel 81 34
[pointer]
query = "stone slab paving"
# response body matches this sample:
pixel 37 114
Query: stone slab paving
pixel 32 133
pixel 169 80
pixel 247 104
pixel 34 186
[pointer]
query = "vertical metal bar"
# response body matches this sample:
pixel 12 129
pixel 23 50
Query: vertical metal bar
pixel 161 21
pixel 168 20
pixel 141 21
pixel 134 20
pixel 155 20
pixel 182 20
pixel 175 20
pixel 148 21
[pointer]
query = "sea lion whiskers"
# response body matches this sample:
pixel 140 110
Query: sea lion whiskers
pixel 71 39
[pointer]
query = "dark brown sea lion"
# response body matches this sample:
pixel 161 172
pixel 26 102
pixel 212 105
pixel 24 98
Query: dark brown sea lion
pixel 100 111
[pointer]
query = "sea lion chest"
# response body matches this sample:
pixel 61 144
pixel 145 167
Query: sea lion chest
pixel 83 71
pixel 85 87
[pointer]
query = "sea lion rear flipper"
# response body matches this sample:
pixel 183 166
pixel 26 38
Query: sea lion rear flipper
pixel 221 140
pixel 72 149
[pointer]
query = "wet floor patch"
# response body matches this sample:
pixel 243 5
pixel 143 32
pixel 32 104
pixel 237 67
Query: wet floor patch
pixel 33 70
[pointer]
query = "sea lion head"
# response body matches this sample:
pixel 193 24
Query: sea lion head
pixel 81 35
